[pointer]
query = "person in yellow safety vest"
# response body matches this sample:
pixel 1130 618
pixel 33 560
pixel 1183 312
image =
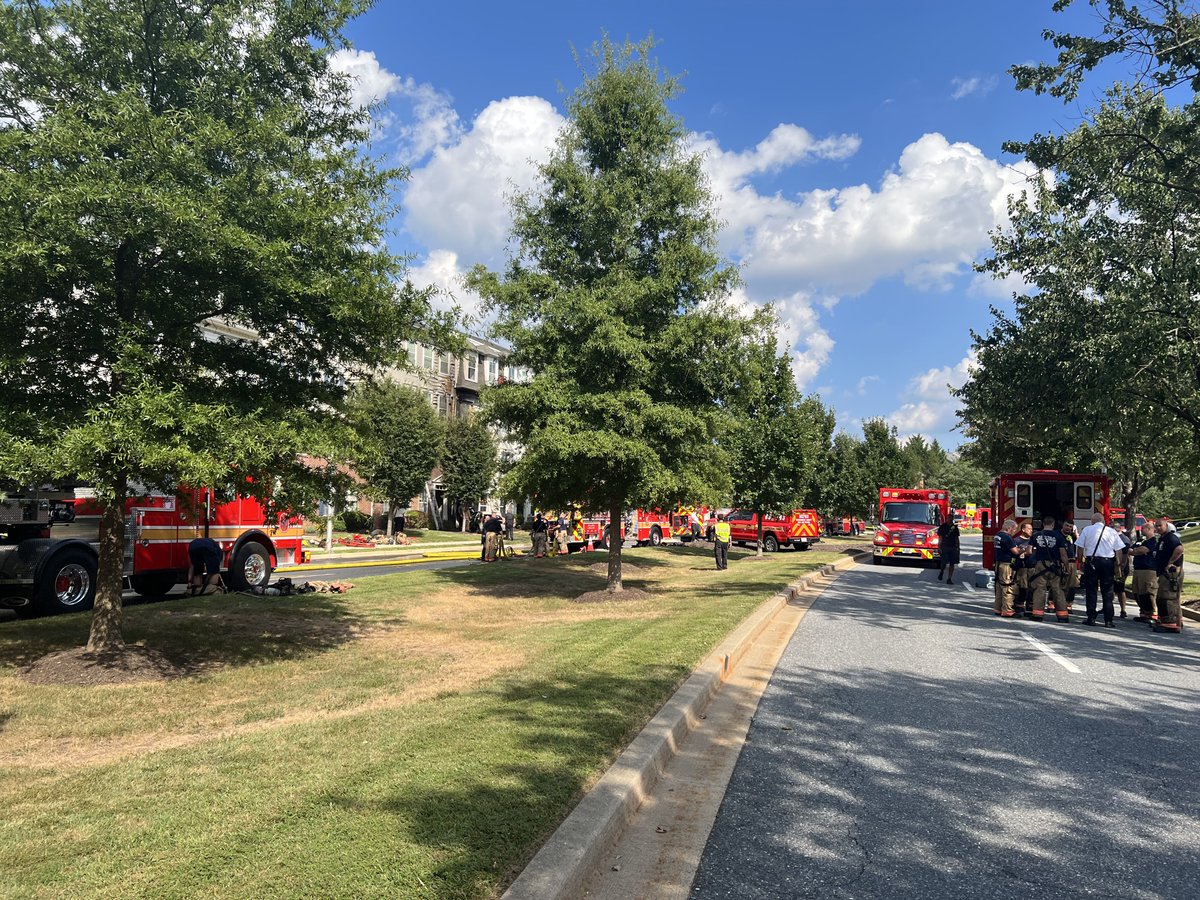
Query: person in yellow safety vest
pixel 721 542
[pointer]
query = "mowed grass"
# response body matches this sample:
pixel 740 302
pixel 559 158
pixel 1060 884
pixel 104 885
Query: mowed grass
pixel 418 737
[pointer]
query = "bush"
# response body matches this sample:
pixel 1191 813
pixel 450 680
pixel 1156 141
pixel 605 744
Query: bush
pixel 414 518
pixel 355 520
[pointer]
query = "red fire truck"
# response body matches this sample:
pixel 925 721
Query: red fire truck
pixel 49 544
pixel 1028 496
pixel 801 528
pixel 643 526
pixel 908 522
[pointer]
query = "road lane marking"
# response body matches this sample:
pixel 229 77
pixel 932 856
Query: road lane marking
pixel 968 587
pixel 1065 663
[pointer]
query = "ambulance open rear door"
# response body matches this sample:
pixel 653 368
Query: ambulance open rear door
pixel 1085 503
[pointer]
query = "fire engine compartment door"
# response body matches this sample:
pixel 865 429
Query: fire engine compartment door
pixel 1023 500
pixel 1084 502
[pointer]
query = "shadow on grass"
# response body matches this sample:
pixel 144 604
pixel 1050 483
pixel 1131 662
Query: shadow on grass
pixel 203 633
pixel 547 738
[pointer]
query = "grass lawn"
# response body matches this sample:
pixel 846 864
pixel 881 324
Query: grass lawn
pixel 416 738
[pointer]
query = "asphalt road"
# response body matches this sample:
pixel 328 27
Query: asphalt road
pixel 912 745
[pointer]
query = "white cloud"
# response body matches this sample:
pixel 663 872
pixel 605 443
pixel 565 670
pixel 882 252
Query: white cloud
pixel 434 122
pixel 809 344
pixel 369 81
pixel 931 406
pixel 965 87
pixel 927 222
pixel 441 271
pixel 459 200
pixel 864 382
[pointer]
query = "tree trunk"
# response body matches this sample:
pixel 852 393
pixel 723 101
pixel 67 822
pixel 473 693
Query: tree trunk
pixel 758 538
pixel 466 516
pixel 106 635
pixel 391 518
pixel 1130 496
pixel 614 549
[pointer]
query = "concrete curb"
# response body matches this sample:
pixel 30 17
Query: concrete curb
pixel 561 866
pixel 1190 613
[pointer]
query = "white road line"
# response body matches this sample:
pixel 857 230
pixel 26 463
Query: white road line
pixel 968 587
pixel 1065 663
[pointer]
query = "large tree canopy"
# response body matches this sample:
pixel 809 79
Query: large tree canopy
pixel 191 244
pixel 617 301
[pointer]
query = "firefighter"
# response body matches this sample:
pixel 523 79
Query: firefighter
pixel 492 529
pixel 1145 574
pixel 721 542
pixel 1024 568
pixel 1169 565
pixel 204 558
pixel 1100 545
pixel 1121 570
pixel 537 533
pixel 1006 562
pixel 1071 576
pixel 1051 564
pixel 948 548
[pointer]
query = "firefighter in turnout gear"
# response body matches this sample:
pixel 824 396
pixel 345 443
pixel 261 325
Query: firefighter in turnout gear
pixel 1169 563
pixel 1006 563
pixel 1145 575
pixel 1024 569
pixel 1050 549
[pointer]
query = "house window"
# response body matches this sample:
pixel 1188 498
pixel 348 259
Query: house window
pixel 443 406
pixel 492 367
pixel 428 359
pixel 472 367
pixel 432 399
pixel 412 355
pixel 444 363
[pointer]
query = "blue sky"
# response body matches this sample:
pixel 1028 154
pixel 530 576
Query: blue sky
pixel 853 148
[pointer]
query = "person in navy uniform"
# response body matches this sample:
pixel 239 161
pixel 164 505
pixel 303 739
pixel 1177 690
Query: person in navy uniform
pixel 948 548
pixel 1050 555
pixel 1169 564
pixel 1145 574
pixel 1024 569
pixel 1006 563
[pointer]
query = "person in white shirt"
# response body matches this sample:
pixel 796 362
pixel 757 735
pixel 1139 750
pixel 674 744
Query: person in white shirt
pixel 1100 544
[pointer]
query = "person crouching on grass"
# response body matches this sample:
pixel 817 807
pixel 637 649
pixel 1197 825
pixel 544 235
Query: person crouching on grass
pixel 204 556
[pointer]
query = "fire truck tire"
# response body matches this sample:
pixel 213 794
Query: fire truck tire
pixel 68 583
pixel 878 560
pixel 153 584
pixel 655 536
pixel 770 543
pixel 250 568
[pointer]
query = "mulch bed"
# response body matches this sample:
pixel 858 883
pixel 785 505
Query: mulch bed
pixel 624 596
pixel 626 569
pixel 78 666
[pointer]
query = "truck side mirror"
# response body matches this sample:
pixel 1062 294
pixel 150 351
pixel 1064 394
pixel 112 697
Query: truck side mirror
pixel 984 517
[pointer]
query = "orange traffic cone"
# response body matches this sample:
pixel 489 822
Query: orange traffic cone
pixel 590 548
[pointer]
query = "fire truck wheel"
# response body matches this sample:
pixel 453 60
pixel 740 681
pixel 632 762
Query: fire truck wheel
pixel 153 584
pixel 770 543
pixel 655 536
pixel 250 568
pixel 68 583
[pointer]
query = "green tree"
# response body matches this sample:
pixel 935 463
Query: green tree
pixel 777 438
pixel 842 486
pixel 468 462
pixel 1111 264
pixel 966 483
pixel 617 301
pixel 170 173
pixel 882 460
pixel 399 440
pixel 926 460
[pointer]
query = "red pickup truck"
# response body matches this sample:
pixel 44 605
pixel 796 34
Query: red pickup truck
pixel 800 529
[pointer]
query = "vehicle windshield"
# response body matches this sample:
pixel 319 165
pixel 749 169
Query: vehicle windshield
pixel 924 513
